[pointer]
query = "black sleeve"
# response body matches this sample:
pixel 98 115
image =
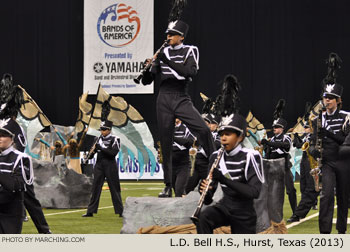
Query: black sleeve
pixel 344 149
pixel 282 145
pixel 249 191
pixel 189 69
pixel 338 137
pixel 186 141
pixel 209 197
pixel 147 78
pixel 150 75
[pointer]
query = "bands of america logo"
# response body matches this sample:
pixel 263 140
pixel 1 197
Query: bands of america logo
pixel 98 67
pixel 118 25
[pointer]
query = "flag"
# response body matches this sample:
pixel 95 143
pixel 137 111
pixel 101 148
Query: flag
pixel 128 124
pixel 85 110
pixel 299 126
pixel 32 120
pixel 255 131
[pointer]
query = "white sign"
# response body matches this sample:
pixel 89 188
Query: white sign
pixel 118 37
pixel 131 171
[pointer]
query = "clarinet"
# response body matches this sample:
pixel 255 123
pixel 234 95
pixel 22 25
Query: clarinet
pixel 195 215
pixel 91 151
pixel 149 64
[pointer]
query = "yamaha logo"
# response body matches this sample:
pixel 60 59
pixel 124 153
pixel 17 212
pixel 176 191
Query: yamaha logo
pixel 98 67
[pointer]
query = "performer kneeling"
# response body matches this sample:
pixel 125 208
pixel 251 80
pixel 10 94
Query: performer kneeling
pixel 240 174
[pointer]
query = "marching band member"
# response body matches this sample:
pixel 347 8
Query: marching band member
pixel 307 184
pixel 107 147
pixel 202 160
pixel 331 133
pixel 176 65
pixel 183 140
pixel 13 179
pixel 278 147
pixel 240 174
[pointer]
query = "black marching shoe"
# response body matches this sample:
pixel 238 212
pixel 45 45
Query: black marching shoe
pixel 294 218
pixel 166 193
pixel 87 215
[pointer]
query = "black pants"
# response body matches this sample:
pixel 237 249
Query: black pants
pixel 307 188
pixel 342 172
pixel 327 198
pixel 106 169
pixel 181 173
pixel 179 105
pixel 200 172
pixel 291 191
pixel 11 215
pixel 241 220
pixel 33 207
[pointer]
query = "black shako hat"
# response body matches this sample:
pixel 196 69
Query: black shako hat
pixel 206 118
pixel 211 118
pixel 330 85
pixel 234 122
pixel 215 119
pixel 9 127
pixel 106 125
pixel 332 89
pixel 279 122
pixel 177 27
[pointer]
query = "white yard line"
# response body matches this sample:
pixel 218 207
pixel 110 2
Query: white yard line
pixel 74 211
pixel 310 217
pixel 302 220
pixel 83 210
pixel 140 183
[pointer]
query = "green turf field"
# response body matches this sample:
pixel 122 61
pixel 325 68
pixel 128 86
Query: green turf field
pixel 69 221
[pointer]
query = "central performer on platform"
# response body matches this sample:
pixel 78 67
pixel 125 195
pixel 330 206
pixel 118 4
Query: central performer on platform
pixel 176 65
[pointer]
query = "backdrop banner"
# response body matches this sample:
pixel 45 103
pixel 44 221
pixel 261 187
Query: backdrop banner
pixel 131 171
pixel 118 37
